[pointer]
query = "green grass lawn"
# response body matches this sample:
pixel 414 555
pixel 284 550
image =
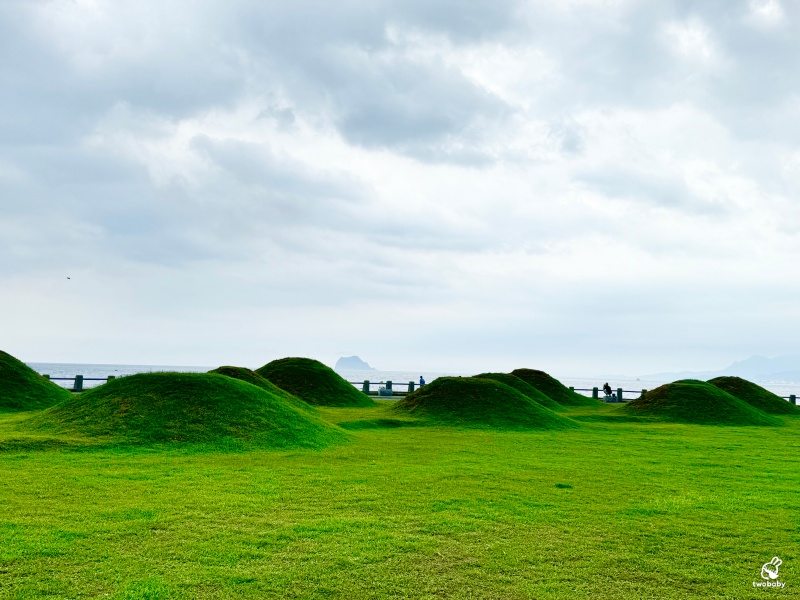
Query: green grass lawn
pixel 617 508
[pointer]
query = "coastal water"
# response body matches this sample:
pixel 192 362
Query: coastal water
pixel 631 386
pixel 96 374
pixel 64 373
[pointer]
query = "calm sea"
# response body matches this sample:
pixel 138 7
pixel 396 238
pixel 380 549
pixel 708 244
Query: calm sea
pixel 399 379
pixel 90 372
pixel 631 386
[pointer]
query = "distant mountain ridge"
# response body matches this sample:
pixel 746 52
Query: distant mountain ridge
pixel 755 368
pixel 352 363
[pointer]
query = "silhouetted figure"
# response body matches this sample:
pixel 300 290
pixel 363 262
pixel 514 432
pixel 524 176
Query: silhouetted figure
pixel 421 381
pixel 607 392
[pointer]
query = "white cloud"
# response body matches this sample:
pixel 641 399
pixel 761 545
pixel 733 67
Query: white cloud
pixel 767 12
pixel 508 72
pixel 693 41
pixel 496 186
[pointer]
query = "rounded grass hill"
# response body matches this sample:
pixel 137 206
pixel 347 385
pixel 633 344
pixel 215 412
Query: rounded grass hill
pixel 313 382
pixel 476 402
pixel 755 395
pixel 253 378
pixel 186 407
pixel 524 387
pixel 553 388
pixel 22 388
pixel 698 402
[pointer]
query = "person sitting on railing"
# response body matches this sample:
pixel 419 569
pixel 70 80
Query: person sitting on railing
pixel 607 392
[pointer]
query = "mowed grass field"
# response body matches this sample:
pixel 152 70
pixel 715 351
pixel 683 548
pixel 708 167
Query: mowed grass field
pixel 616 508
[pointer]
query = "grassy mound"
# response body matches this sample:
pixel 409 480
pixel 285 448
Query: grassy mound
pixel 524 387
pixel 22 388
pixel 755 395
pixel 691 401
pixel 553 388
pixel 253 378
pixel 475 402
pixel 186 407
pixel 313 382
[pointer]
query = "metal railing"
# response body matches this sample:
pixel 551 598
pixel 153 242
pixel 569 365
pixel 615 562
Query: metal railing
pixel 78 380
pixel 619 394
pixel 384 388
pixel 390 388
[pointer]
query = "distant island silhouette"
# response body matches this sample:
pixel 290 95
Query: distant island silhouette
pixel 756 368
pixel 352 363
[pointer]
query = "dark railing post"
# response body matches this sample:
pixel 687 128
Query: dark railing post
pixel 410 386
pixel 571 389
pixel 594 393
pixel 46 376
pixel 619 394
pixel 644 392
pixel 365 386
pixel 111 378
pixel 78 383
pixel 793 399
pixel 389 387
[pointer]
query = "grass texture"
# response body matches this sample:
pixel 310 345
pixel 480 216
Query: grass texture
pixel 185 407
pixel 313 382
pixel 253 378
pixel 755 395
pixel 22 388
pixel 479 402
pixel 553 388
pixel 523 387
pixel 614 510
pixel 451 497
pixel 692 401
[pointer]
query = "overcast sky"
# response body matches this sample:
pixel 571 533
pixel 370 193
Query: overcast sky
pixel 583 186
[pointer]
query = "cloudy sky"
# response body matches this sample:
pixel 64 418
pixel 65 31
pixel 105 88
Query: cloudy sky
pixel 584 186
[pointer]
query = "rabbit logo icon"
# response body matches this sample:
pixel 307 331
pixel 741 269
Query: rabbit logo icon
pixel 770 569
pixel 769 572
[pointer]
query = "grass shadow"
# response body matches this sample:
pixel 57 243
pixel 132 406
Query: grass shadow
pixel 610 418
pixel 380 424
